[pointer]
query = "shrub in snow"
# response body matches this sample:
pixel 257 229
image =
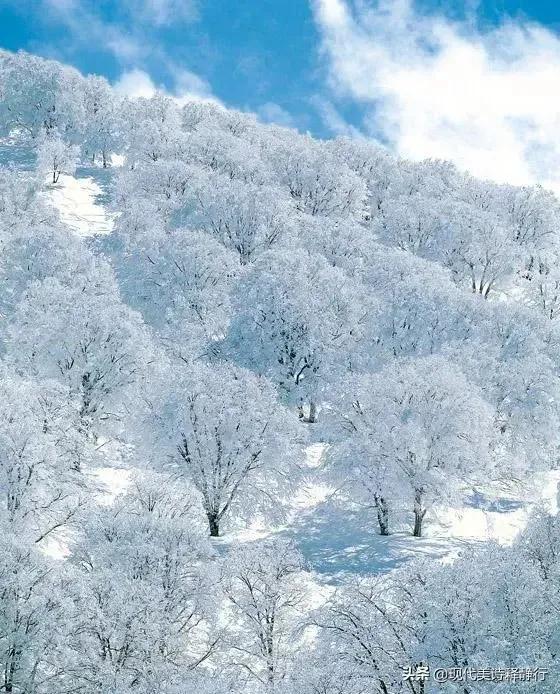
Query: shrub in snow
pixel 55 157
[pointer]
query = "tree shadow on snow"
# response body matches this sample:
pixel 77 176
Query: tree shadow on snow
pixel 340 542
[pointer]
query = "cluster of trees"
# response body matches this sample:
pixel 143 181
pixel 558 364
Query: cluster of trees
pixel 493 608
pixel 261 290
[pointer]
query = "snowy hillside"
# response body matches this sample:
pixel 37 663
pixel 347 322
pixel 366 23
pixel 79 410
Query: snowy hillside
pixel 277 415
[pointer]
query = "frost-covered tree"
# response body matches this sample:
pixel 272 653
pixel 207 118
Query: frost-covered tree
pixel 534 215
pixel 103 131
pixel 33 618
pixel 540 542
pixel 40 458
pixel 511 355
pixel 153 129
pixel 142 595
pixel 56 157
pixel 34 244
pixel 414 223
pixel 42 497
pixel 83 336
pixel 245 217
pixel 422 309
pixel 266 590
pixel 414 433
pixel 471 614
pixel 342 242
pixel 373 164
pixel 222 429
pixel 362 627
pixel 478 611
pixel 216 147
pixel 542 287
pixel 478 248
pixel 296 319
pixel 179 280
pixel 317 183
pixel 151 195
pixel 38 94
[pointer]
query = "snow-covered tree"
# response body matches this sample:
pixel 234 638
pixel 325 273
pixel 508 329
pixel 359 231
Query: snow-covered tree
pixel 245 217
pixel 142 595
pixel 478 248
pixel 317 183
pixel 152 129
pixel 414 433
pixel 180 281
pixel 215 147
pixel 296 319
pixel 83 336
pixel 56 157
pixel 511 355
pixel 266 590
pixel 414 223
pixel 34 244
pixel 343 242
pixel 373 164
pixel 38 94
pixel 40 458
pixel 222 429
pixel 33 619
pixel 362 628
pixel 103 131
pixel 422 309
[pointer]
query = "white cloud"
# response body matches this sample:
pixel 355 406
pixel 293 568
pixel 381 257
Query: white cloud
pixel 488 100
pixel 274 113
pixel 162 12
pixel 129 35
pixel 187 86
pixel 331 117
pixel 86 27
pixel 135 83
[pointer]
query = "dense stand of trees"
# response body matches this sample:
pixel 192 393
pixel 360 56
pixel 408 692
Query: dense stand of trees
pixel 261 291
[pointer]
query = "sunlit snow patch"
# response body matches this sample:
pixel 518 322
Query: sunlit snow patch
pixel 76 201
pixel 56 547
pixel 499 524
pixel 117 160
pixel 113 481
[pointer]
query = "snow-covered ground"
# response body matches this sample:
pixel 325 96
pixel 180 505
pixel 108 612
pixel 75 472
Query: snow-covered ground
pixel 79 199
pixel 339 541
pixel 78 203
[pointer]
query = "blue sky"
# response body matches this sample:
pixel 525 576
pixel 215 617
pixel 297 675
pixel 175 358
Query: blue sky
pixel 251 52
pixel 371 68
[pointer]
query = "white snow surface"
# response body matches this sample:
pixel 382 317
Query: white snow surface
pixel 339 542
pixel 76 200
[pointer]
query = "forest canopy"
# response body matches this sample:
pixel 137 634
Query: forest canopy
pixel 261 296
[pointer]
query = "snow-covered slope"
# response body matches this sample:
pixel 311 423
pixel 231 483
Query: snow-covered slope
pixel 78 201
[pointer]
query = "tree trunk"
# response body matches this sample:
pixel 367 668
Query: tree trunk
pixel 105 159
pixel 419 513
pixel 270 664
pixel 214 525
pixel 311 418
pixel 382 509
pixel 312 412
